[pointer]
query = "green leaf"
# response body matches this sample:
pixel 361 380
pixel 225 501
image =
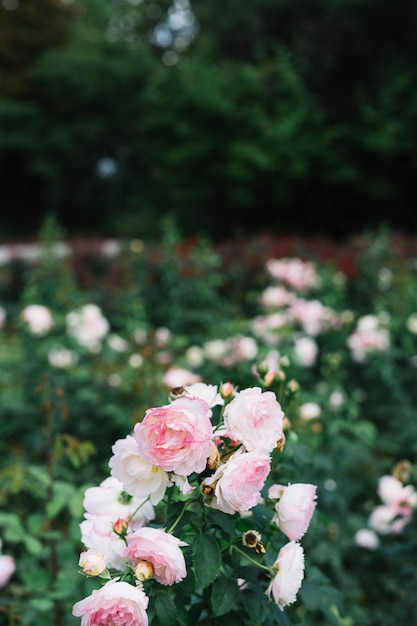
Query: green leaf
pixel 223 521
pixel 256 607
pixel 224 596
pixel 33 545
pixel 42 604
pixel 165 609
pixel 206 559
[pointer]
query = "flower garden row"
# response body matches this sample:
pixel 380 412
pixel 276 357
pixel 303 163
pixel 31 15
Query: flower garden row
pixel 186 469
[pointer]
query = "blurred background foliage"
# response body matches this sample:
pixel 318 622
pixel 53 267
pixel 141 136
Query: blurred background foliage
pixel 297 115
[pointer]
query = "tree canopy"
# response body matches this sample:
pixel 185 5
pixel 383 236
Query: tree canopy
pixel 288 115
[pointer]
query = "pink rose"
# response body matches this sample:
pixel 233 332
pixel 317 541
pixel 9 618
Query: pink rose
pixel 255 419
pixel 115 604
pixel 295 508
pixel 7 568
pixel 290 573
pixel 236 485
pixel 177 437
pixel 160 549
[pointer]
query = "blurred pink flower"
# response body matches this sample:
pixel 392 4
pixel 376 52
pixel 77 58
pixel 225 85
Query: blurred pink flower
pixel 177 437
pixel 276 296
pixel 295 508
pixel 88 326
pixel 38 319
pixel 7 568
pixel 179 377
pixel 402 498
pixel 290 573
pixel 254 418
pixel 160 549
pixel 115 604
pixel 236 485
pixel 296 273
pixel 386 520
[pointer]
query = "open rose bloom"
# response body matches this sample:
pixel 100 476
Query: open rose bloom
pixel 115 604
pixel 204 455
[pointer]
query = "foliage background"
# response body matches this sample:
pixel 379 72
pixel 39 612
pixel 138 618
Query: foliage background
pixel 114 113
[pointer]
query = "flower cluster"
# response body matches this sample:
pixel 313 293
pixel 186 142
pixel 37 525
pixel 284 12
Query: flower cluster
pixel 369 336
pixel 206 450
pixel 396 511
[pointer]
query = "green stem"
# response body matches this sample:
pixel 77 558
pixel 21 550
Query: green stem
pixel 177 521
pixel 268 569
pixel 129 519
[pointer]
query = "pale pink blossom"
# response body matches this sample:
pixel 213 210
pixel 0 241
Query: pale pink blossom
pixel 276 296
pixel 306 351
pixel 296 273
pixel 38 319
pixel 236 485
pixel 61 357
pixel 367 538
pixel 177 437
pixel 160 549
pixel 254 418
pixel 368 337
pixel 290 573
pixel 205 392
pixel 311 314
pixel 402 498
pixel 266 327
pixel 88 326
pixel 139 477
pixel 179 377
pixel 294 509
pixel 7 569
pixel 92 563
pixel 386 520
pixel 117 603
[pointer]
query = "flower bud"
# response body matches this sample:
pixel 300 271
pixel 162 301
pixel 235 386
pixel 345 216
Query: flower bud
pixel 227 390
pixel 120 527
pixel 92 563
pixel 143 571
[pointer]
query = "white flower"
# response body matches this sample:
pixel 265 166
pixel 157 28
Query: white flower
pixel 139 477
pixel 61 358
pixel 290 573
pixel 109 499
pixel 88 326
pixel 306 351
pixel 310 411
pixel 38 319
pixel 367 538
pixel 205 392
